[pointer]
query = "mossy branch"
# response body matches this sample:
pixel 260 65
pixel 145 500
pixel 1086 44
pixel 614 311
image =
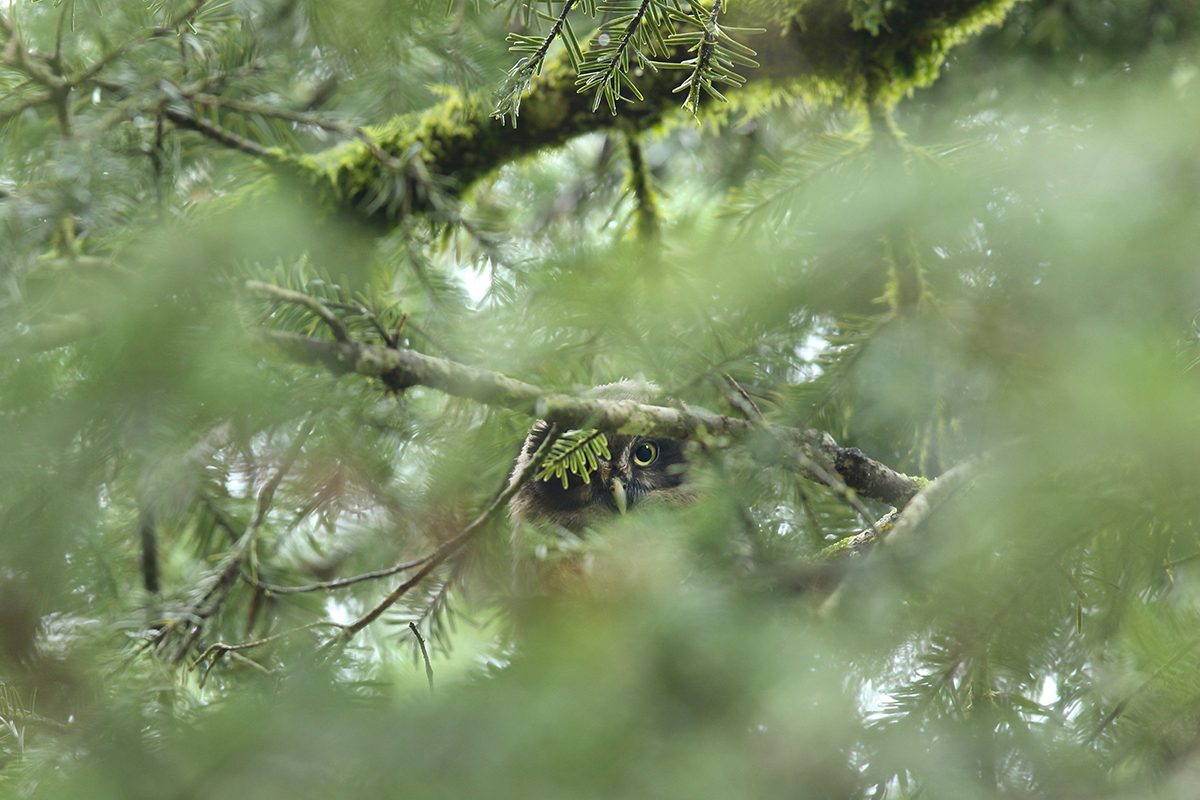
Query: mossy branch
pixel 824 55
pixel 462 142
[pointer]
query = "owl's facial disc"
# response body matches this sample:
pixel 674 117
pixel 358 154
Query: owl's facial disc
pixel 640 471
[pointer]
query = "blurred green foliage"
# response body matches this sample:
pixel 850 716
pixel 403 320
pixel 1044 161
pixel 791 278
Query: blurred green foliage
pixel 1004 266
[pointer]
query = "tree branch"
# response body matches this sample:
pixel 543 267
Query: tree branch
pixel 231 567
pixel 337 583
pixel 400 369
pixel 222 136
pixel 311 303
pixel 452 546
pixel 823 54
pixel 827 568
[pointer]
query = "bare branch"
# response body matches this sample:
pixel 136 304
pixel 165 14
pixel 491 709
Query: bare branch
pixel 337 583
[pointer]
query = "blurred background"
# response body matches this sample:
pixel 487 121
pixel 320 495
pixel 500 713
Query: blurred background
pixel 992 254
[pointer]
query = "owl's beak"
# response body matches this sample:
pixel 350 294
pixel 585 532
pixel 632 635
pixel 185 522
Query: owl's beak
pixel 618 492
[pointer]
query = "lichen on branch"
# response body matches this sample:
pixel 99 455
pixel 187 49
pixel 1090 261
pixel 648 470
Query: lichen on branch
pixel 805 450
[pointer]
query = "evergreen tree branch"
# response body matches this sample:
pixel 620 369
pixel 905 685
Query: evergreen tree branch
pixel 186 16
pixel 717 54
pixel 32 65
pixel 337 583
pixel 311 303
pixel 608 69
pixel 453 546
pixel 222 136
pixel 740 400
pixel 460 141
pixel 49 71
pixel 898 526
pixel 796 448
pixel 575 452
pixel 823 55
pixel 299 117
pixel 1119 708
pixel 524 71
pixel 231 566
pixel 930 498
pixel 823 573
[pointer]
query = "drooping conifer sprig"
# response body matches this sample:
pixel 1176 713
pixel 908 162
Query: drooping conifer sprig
pixel 535 48
pixel 630 40
pixel 716 55
pixel 635 35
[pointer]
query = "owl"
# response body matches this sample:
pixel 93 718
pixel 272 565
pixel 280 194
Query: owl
pixel 641 471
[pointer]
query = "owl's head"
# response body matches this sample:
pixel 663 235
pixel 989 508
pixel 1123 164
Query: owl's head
pixel 639 471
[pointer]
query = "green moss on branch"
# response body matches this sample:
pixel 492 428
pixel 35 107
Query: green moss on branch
pixel 875 53
pixel 829 51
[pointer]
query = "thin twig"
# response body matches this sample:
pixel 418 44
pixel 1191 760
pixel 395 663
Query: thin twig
pixel 221 135
pixel 301 118
pixel 896 526
pixel 213 652
pixel 740 400
pixel 388 337
pixel 337 583
pixel 424 653
pixel 231 568
pixel 451 547
pixel 250 662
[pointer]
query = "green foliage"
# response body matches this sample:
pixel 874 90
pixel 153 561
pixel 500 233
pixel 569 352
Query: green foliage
pixel 632 37
pixel 574 453
pixel 717 54
pixel 535 49
pixel 193 520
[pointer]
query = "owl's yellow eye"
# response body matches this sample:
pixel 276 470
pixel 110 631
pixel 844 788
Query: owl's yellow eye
pixel 645 454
